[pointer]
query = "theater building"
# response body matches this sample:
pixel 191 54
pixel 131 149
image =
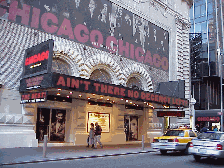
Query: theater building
pixel 67 64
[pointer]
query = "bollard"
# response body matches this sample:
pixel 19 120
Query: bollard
pixel 143 142
pixel 45 146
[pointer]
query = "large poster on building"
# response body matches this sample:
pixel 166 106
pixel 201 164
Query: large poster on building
pixel 96 23
pixel 103 120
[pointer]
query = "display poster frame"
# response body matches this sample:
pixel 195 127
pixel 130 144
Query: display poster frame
pixel 94 117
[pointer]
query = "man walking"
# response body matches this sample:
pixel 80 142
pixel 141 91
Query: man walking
pixel 98 131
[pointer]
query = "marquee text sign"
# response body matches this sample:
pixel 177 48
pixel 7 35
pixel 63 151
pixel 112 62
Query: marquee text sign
pixel 171 113
pixel 96 23
pixel 33 97
pixel 215 119
pixel 36 82
pixel 38 59
pixel 90 86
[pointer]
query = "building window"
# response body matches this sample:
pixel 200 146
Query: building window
pixel 101 76
pixel 134 83
pixel 60 66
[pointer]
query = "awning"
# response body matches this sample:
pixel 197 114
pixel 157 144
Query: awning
pixel 72 83
pixel 213 115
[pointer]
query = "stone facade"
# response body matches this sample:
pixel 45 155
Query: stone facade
pixel 171 15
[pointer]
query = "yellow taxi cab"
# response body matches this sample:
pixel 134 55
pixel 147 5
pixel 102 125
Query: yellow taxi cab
pixel 174 140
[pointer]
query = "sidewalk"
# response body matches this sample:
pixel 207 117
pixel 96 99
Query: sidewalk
pixel 10 156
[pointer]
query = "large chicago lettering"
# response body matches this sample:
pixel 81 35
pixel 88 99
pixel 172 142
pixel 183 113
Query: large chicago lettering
pixel 49 22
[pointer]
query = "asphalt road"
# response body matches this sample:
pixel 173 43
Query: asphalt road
pixel 152 160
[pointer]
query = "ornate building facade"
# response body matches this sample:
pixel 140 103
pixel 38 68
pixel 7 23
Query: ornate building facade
pixel 161 26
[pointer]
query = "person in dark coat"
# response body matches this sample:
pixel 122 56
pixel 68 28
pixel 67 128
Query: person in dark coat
pixel 204 129
pixel 97 137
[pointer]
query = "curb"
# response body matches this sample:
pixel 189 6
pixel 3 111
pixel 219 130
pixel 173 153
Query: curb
pixel 74 158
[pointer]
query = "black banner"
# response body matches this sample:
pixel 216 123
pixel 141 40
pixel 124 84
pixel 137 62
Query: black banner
pixel 66 82
pixel 170 113
pixel 96 23
pixel 37 82
pixel 38 59
pixel 34 97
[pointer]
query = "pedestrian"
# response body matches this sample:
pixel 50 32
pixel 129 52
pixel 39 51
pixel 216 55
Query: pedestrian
pixel 197 128
pixel 91 136
pixel 204 129
pixel 215 128
pixel 97 137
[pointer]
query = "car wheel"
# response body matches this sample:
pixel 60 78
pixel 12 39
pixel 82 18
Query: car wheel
pixel 163 152
pixel 185 151
pixel 197 158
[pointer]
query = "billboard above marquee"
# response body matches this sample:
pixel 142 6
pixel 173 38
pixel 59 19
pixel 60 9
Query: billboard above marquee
pixel 96 23
pixel 38 59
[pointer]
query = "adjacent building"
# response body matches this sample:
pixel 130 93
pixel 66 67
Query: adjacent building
pixel 70 63
pixel 206 41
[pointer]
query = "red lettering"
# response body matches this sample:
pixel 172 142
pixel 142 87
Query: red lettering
pixel 177 102
pixel 165 99
pixel 103 88
pixel 81 37
pixel 24 13
pixel 116 91
pixel 61 81
pixel 156 60
pixel 75 83
pixel 132 51
pixel 86 85
pixel 123 48
pixel 139 58
pixel 93 35
pixel 173 101
pixel 148 58
pixel 44 22
pixel 130 93
pixel 68 82
pixel 122 91
pixel 161 99
pixel 35 18
pixel 142 95
pixel 156 98
pixel 136 94
pixel 108 44
pixel 66 29
pixel 148 95
pixel 96 86
pixel 165 63
pixel 37 58
pixel 152 97
pixel 3 11
pixel 110 89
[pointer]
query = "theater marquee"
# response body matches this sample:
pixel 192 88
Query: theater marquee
pixel 55 80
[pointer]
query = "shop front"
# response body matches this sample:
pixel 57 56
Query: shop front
pixel 65 106
pixel 210 118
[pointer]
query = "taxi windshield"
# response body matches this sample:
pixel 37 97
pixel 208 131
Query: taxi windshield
pixel 174 133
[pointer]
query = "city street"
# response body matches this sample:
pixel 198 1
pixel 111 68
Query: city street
pixel 152 160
